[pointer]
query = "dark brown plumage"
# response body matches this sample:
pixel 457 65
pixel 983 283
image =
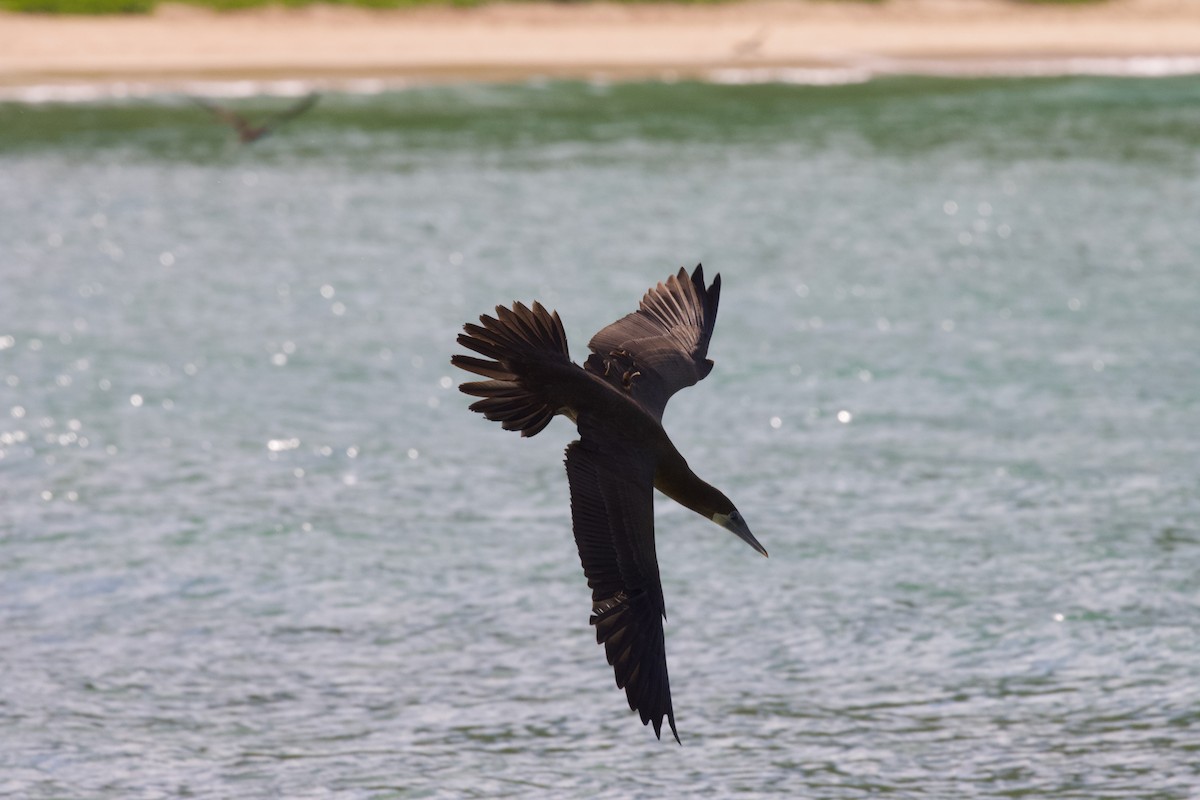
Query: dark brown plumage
pixel 616 399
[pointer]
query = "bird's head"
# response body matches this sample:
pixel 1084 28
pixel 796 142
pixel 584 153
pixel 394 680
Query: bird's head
pixel 733 521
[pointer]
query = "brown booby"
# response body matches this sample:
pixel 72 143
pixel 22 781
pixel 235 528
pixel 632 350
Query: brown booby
pixel 247 131
pixel 616 399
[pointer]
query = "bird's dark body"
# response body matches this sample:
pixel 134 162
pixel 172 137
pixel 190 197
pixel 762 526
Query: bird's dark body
pixel 582 395
pixel 616 399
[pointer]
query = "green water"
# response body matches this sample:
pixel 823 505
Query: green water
pixel 253 545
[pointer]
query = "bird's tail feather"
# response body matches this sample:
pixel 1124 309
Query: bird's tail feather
pixel 520 341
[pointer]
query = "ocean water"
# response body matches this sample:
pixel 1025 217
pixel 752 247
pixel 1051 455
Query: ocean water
pixel 252 543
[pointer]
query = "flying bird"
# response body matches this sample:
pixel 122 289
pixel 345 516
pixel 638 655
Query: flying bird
pixel 247 131
pixel 751 45
pixel 616 399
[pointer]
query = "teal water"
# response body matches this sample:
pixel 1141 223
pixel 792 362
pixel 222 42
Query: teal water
pixel 252 544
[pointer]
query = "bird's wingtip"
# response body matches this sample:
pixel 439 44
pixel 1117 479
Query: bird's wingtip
pixel 657 725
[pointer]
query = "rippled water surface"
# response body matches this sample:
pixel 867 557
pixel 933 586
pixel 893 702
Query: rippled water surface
pixel 252 544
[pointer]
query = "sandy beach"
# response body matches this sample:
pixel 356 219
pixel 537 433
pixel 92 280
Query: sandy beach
pixel 331 45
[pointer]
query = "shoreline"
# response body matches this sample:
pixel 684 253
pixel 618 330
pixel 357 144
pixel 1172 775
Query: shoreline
pixel 285 51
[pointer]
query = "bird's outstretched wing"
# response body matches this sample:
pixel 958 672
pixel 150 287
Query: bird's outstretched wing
pixel 304 104
pixel 612 512
pixel 227 115
pixel 663 346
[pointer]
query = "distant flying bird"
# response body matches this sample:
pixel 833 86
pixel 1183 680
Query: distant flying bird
pixel 616 399
pixel 750 45
pixel 248 132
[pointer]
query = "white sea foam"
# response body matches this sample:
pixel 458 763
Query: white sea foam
pixel 85 92
pixel 808 76
pixel 852 69
pixel 864 69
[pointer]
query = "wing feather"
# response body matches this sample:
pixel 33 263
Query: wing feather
pixel 612 512
pixel 663 346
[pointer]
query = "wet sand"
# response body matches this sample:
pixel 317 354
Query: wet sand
pixel 180 44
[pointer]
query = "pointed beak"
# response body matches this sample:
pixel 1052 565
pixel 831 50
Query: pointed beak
pixel 738 526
